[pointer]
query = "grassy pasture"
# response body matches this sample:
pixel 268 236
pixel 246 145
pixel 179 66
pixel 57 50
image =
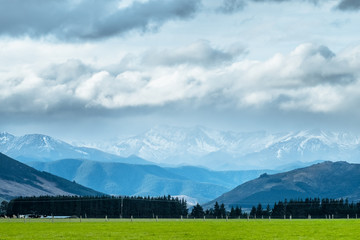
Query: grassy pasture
pixel 176 229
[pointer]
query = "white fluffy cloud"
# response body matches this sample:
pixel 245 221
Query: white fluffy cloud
pixel 311 78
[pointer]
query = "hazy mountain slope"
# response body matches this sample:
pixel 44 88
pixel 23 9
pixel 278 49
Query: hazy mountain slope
pixel 228 179
pixel 328 179
pixel 37 147
pixel 224 150
pixel 18 179
pixel 131 179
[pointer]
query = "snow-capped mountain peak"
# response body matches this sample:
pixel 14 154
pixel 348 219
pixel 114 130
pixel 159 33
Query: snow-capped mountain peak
pixel 38 147
pixel 199 146
pixel 5 137
pixel 222 149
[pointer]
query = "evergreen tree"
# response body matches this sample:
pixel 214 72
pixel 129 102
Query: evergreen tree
pixel 232 212
pixel 197 211
pixel 238 211
pixel 222 211
pixel 217 210
pixel 278 210
pixel 267 211
pixel 209 213
pixel 253 212
pixel 259 210
pixel 3 207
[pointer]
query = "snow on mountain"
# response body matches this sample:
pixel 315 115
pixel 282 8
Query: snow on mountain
pixel 38 147
pixel 198 146
pixel 162 143
pixel 5 138
pixel 232 150
pixel 35 146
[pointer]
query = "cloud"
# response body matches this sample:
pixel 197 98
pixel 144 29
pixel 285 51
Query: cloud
pixel 68 71
pixel 89 20
pixel 349 5
pixel 233 6
pixel 311 78
pixel 200 53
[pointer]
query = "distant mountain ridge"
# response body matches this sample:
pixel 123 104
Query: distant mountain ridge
pixel 325 180
pixel 226 150
pixel 131 179
pixel 38 147
pixel 18 179
pixel 198 146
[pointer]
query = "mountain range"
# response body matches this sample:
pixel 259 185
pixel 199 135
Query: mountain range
pixel 324 180
pixel 200 146
pixel 200 184
pixel 122 172
pixel 18 179
pixel 38 147
pixel 197 146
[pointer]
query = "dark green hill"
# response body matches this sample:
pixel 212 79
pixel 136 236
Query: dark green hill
pixel 18 179
pixel 325 180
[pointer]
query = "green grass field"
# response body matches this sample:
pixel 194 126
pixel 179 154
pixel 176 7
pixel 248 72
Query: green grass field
pixel 176 229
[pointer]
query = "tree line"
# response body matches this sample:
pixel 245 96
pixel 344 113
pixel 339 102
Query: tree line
pixel 316 208
pixel 299 208
pixel 99 206
pixel 218 211
pixel 169 207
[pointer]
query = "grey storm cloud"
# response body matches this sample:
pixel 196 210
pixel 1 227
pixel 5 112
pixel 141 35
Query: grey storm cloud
pixel 95 19
pixel 347 5
pixel 232 6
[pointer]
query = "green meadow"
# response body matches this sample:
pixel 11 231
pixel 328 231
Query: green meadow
pixel 176 229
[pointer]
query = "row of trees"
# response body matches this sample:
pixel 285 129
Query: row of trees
pixel 316 207
pixel 168 207
pixel 218 211
pixel 313 207
pixel 99 207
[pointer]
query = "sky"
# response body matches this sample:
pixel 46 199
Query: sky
pixel 99 69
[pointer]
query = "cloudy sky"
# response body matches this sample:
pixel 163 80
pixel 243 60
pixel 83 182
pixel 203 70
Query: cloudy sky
pixel 97 69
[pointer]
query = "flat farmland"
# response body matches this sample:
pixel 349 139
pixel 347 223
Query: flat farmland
pixel 176 229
